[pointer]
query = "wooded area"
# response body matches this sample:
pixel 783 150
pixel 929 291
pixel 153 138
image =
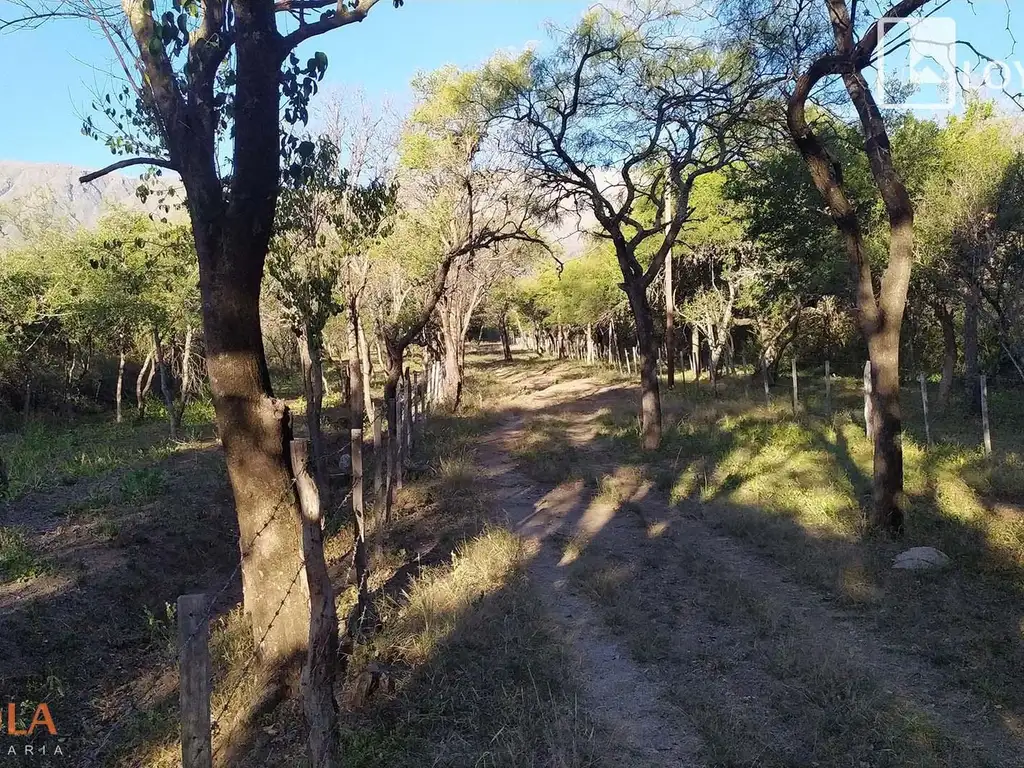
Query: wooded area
pixel 748 216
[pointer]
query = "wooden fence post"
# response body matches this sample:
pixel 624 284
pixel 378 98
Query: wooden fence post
pixel 317 683
pixel 359 555
pixel 398 450
pixel 828 389
pixel 796 391
pixel 194 681
pixel 986 432
pixel 924 409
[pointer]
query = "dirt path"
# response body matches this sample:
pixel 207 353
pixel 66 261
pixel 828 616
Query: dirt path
pixel 625 699
pixel 740 664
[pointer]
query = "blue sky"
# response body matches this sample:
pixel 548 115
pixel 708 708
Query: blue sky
pixel 50 71
pixel 61 62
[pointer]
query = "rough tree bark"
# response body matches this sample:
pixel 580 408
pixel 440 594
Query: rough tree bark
pixel 232 232
pixel 650 394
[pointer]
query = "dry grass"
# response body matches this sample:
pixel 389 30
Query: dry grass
pixel 480 677
pixel 794 490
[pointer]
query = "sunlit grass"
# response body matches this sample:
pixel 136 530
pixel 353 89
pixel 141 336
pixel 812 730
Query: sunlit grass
pixel 17 558
pixel 479 676
pixel 45 455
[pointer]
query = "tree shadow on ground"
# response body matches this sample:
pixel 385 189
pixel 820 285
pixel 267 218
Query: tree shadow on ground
pixel 963 624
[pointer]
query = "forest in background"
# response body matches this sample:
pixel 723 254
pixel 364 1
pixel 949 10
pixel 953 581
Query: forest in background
pixel 753 217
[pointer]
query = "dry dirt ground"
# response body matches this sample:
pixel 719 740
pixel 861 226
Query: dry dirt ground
pixel 695 649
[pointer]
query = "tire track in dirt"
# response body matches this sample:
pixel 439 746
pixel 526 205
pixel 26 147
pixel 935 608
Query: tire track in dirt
pixel 625 699
pixel 725 665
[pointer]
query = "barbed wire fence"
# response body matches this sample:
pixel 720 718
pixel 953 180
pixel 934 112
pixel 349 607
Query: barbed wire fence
pixel 201 749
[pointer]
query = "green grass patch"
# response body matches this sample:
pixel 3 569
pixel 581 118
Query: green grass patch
pixel 17 559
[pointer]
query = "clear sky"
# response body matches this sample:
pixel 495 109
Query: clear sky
pixel 49 72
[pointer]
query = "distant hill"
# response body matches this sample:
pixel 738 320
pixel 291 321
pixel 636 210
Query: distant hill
pixel 52 191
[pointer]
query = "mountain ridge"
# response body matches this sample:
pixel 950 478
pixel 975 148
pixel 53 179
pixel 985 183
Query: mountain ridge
pixel 51 192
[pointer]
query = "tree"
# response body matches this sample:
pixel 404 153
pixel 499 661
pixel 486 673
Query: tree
pixel 207 66
pixel 306 266
pixel 461 196
pixel 880 314
pixel 966 230
pixel 75 297
pixel 627 110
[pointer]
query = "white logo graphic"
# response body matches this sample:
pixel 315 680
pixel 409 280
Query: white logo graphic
pixel 917 63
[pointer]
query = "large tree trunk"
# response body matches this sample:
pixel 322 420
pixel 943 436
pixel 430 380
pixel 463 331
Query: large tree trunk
pixel 232 235
pixel 650 395
pixel 313 388
pixel 255 430
pixel 880 317
pixel 949 353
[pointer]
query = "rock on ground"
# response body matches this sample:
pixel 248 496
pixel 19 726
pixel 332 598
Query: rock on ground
pixel 921 559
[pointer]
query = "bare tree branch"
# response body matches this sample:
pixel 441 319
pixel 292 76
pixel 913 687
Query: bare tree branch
pixel 127 163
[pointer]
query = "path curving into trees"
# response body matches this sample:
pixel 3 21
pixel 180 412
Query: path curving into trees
pixel 696 647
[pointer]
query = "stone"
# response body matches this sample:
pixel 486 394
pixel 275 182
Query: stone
pixel 921 559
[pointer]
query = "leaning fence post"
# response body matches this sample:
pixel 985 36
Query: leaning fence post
pixel 987 434
pixel 924 409
pixel 318 671
pixel 828 389
pixel 796 392
pixel 194 681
